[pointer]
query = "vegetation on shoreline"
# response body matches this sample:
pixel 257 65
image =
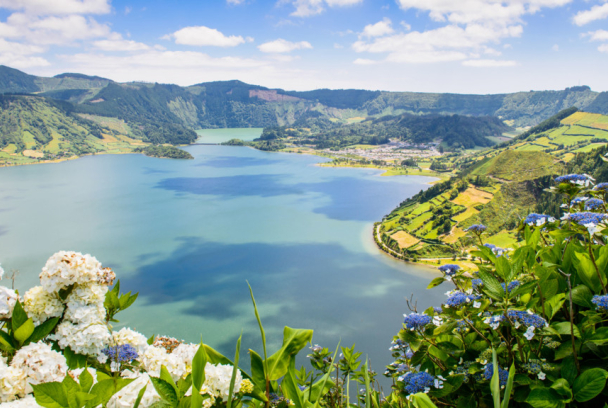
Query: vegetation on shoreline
pixel 169 152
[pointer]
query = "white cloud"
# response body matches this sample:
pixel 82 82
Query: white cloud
pixel 119 44
pixel 482 11
pixel 379 29
pixel 448 43
pixel 603 48
pixel 307 8
pixel 599 35
pixel 595 13
pixel 205 36
pixel 488 63
pixel 281 46
pixel 19 55
pixel 128 10
pixel 555 47
pixel 235 2
pixel 364 61
pixel 54 7
pixel 338 46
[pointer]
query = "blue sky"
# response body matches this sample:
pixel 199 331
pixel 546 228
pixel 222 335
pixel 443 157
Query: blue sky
pixel 460 46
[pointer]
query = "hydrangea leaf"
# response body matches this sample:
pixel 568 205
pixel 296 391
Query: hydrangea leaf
pixel 545 398
pixel 568 371
pixel 581 296
pixel 436 282
pixel 51 395
pixel 24 331
pixel 589 384
pixel 165 390
pixel 43 330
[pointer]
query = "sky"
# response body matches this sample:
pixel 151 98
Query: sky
pixel 456 46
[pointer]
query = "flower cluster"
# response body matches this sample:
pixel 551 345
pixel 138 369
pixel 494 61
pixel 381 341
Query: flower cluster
pixel 33 364
pixel 121 354
pixel 601 187
pixel 41 305
pixel 503 375
pixel 457 299
pixel 419 382
pixel 508 288
pixel 600 302
pixel 8 299
pixel 477 228
pixel 594 204
pixel 577 179
pixel 538 219
pixel 476 283
pixel 449 270
pixel 416 321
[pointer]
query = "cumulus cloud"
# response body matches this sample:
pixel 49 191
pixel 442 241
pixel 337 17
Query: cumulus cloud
pixel 587 16
pixel 54 7
pixel 603 48
pixel 488 63
pixel 364 61
pixel 471 28
pixel 19 55
pixel 379 29
pixel 117 43
pixel 235 2
pixel 282 46
pixel 307 8
pixel 599 35
pixel 205 36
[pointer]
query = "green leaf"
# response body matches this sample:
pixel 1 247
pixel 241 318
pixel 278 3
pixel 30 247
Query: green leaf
pixel 569 369
pixel 436 282
pixel 582 295
pixel 421 400
pixel 197 400
pixel 290 388
pixel 325 378
pixel 24 331
pixel 105 389
pixel 589 384
pixel 586 270
pixel 72 388
pixel 509 387
pixel 140 396
pixel 257 371
pixel 564 328
pixel 235 368
pixel 85 380
pixel 257 316
pixel 198 367
pixel 166 377
pixel 491 284
pixel 19 316
pixel 554 304
pixel 165 390
pixel 294 340
pixel 6 341
pixel 43 330
pixel 545 398
pixel 562 387
pixel 82 398
pixel 51 395
pixel 495 381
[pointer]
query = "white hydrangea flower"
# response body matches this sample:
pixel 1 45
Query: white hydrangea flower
pixel 87 294
pixel 155 357
pixel 126 397
pixel 28 402
pixel 65 268
pixel 217 380
pixel 1 272
pixel 86 315
pixel 12 383
pixel 40 364
pixel 41 305
pixel 83 339
pixel 128 336
pixel 185 353
pixel 8 299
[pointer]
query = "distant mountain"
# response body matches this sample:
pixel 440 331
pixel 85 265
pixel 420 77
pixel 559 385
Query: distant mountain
pixel 237 104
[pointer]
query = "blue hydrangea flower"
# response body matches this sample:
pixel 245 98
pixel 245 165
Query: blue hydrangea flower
pixel 457 299
pixel 600 302
pixel 538 219
pixel 477 228
pixel 578 200
pixel 594 204
pixel 578 179
pixel 449 269
pixel 463 325
pixel 437 309
pixel 527 319
pixel 511 286
pixel 503 375
pixel 398 345
pixel 415 321
pixel 585 218
pixel 494 321
pixel 409 353
pixel 121 354
pixel 601 187
pixel 417 382
pixel 477 283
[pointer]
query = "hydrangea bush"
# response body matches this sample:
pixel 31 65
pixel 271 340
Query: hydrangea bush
pixel 525 327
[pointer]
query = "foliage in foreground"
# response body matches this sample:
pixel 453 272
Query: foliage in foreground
pixel 527 328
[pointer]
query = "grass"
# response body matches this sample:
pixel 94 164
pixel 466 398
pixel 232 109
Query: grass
pixel 503 239
pixel 516 165
pixel 404 239
pixel 471 196
pixel 467 214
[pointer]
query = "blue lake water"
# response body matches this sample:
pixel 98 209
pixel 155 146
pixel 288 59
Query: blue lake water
pixel 187 235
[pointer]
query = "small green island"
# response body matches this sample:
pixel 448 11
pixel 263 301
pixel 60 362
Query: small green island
pixel 165 152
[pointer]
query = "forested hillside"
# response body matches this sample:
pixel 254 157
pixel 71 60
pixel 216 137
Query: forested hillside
pixel 237 104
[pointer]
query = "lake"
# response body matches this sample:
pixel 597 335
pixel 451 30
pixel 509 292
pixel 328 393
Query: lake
pixel 188 235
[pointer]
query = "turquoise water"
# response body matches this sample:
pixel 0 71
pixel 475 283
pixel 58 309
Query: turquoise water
pixel 217 136
pixel 188 235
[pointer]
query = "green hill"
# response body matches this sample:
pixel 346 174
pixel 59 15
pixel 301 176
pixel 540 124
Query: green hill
pixel 513 165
